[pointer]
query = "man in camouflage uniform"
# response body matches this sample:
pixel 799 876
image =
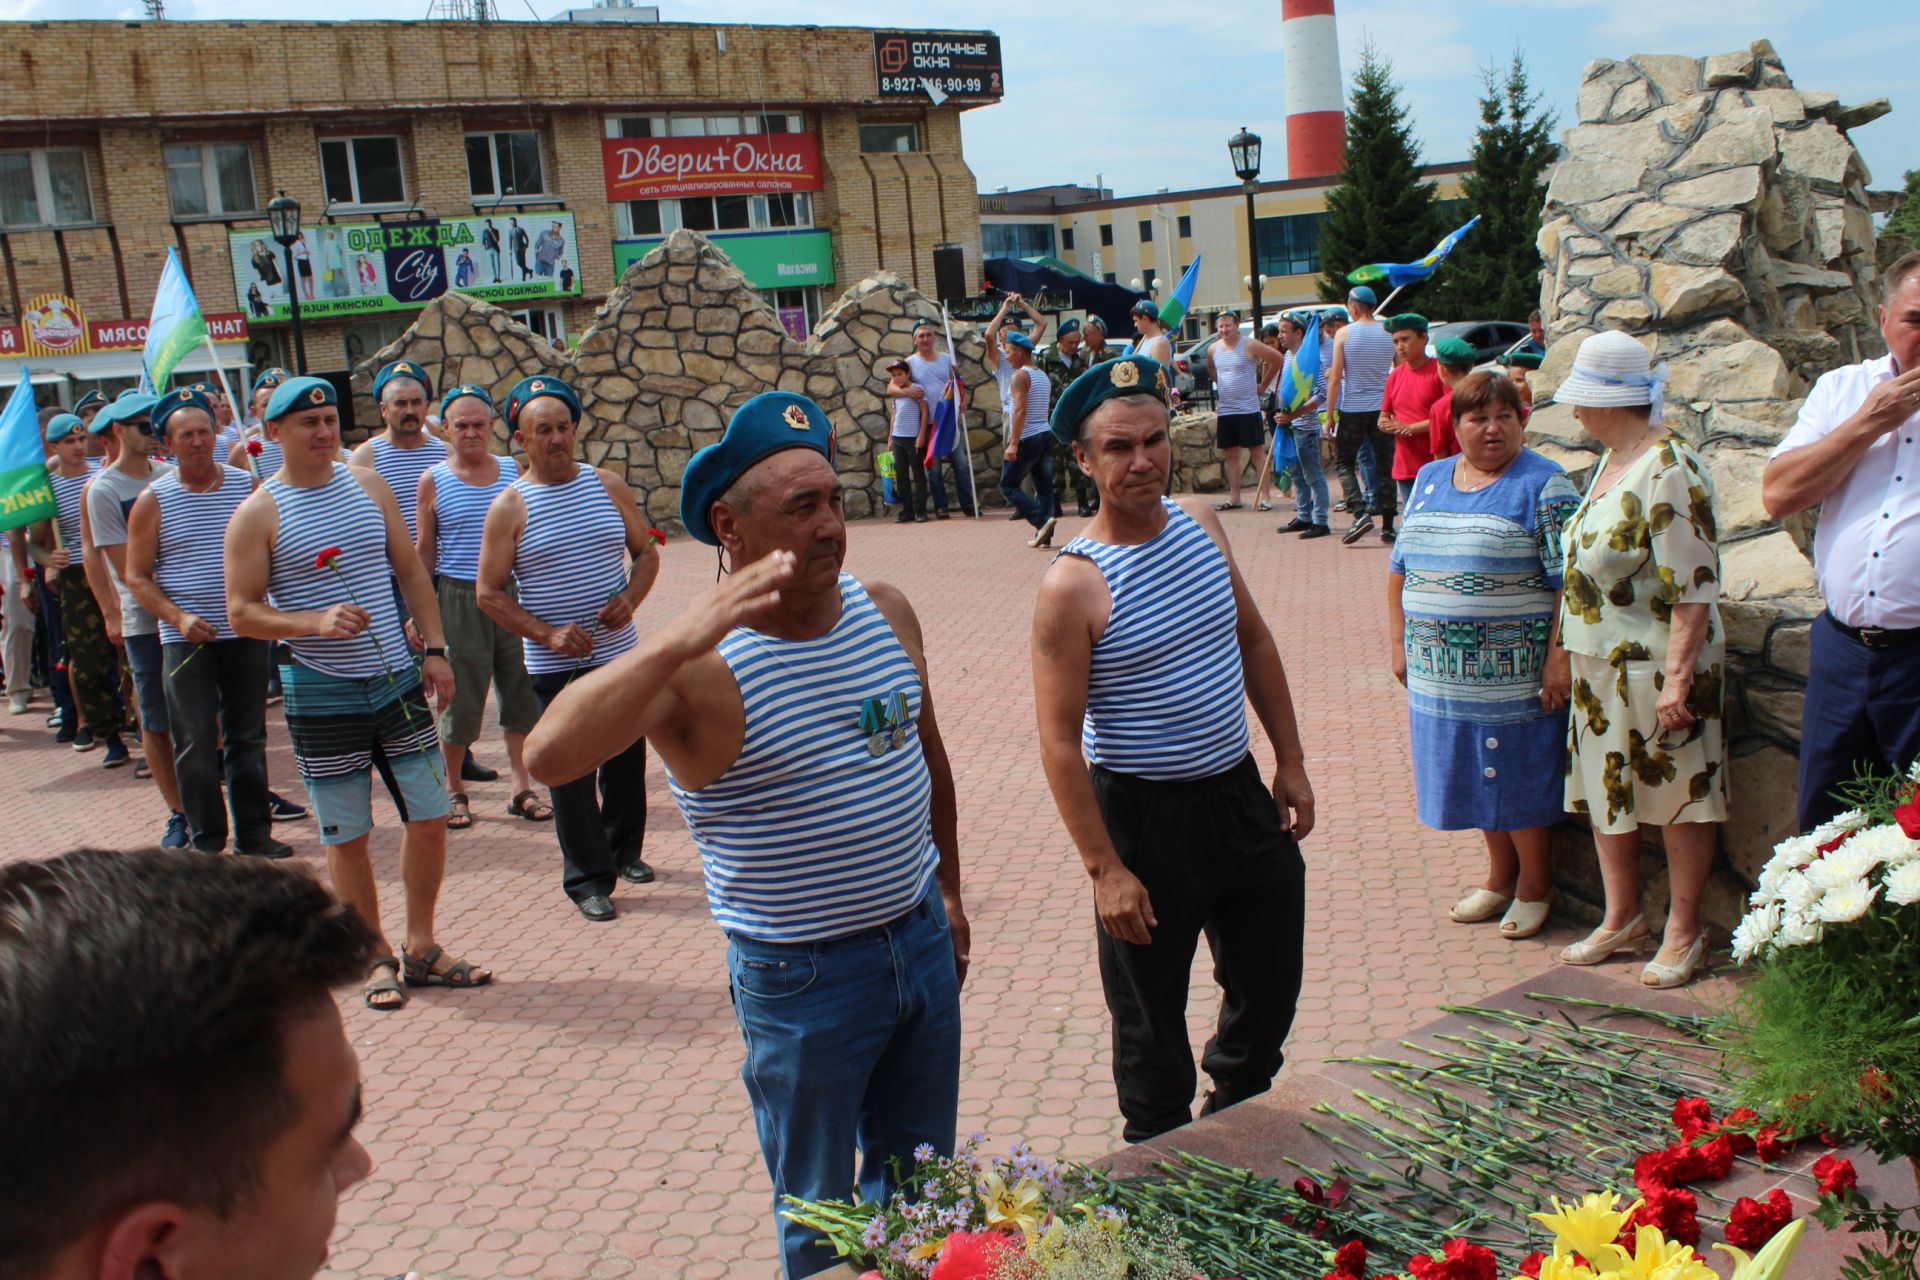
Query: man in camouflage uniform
pixel 1066 360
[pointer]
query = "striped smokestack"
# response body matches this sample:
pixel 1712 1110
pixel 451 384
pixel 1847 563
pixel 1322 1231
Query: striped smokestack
pixel 1316 112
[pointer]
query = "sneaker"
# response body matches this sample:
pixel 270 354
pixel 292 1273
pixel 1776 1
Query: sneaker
pixel 176 836
pixel 17 704
pixel 116 755
pixel 1387 536
pixel 54 718
pixel 1296 525
pixel 1360 527
pixel 267 848
pixel 66 734
pixel 82 739
pixel 1316 531
pixel 282 809
pixel 1043 536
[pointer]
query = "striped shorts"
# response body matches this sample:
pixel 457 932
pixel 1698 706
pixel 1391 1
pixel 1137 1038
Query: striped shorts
pixel 336 723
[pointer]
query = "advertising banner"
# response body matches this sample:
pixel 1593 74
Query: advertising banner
pixel 908 64
pixel 359 268
pixel 54 325
pixel 768 259
pixel 744 164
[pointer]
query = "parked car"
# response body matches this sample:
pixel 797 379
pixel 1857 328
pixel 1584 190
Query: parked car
pixel 1489 339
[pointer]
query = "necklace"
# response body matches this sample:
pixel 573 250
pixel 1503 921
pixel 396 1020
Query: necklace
pixel 1487 477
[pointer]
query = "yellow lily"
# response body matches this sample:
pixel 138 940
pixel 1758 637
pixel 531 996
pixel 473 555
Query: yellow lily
pixel 1655 1257
pixel 1588 1228
pixel 1771 1262
pixel 1562 1266
pixel 1018 1206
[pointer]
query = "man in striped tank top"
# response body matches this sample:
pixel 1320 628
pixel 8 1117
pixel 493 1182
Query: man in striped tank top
pixel 310 559
pixel 570 536
pixel 1024 395
pixel 214 682
pixel 792 709
pixel 1356 386
pixel 453 500
pixel 405 450
pixel 1146 648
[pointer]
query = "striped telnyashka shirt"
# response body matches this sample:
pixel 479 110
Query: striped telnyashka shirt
pixel 1166 699
pixel 459 516
pixel 67 493
pixel 823 825
pixel 337 514
pixel 189 560
pixel 1236 379
pixel 402 469
pixel 1363 371
pixel 571 559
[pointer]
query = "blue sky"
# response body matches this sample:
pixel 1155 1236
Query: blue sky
pixel 1147 94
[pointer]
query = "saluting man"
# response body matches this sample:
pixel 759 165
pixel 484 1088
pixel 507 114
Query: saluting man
pixel 791 706
pixel 1146 647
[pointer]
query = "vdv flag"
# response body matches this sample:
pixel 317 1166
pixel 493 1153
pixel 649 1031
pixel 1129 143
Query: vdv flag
pixel 25 495
pixel 1176 308
pixel 1298 388
pixel 176 326
pixel 945 430
pixel 1396 274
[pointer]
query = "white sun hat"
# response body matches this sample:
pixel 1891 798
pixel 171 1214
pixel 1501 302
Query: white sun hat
pixel 1612 370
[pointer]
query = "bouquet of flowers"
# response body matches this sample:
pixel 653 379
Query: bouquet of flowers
pixel 1014 1217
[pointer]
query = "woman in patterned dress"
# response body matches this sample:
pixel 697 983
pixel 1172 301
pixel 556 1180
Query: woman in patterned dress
pixel 1641 622
pixel 1472 592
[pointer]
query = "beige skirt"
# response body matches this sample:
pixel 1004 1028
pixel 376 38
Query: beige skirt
pixel 1622 769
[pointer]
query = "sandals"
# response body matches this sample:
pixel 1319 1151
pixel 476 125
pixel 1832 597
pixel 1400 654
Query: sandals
pixel 1481 904
pixel 1601 943
pixel 460 816
pixel 388 986
pixel 530 806
pixel 1524 919
pixel 420 972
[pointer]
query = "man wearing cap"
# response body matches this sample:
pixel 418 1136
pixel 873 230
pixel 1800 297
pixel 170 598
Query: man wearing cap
pixel 1064 361
pixel 265 460
pixel 912 422
pixel 1356 383
pixel 1851 450
pixel 58 546
pixel 1098 349
pixel 937 377
pixel 1520 364
pixel 213 682
pixel 791 706
pixel 88 405
pixel 310 560
pixel 453 499
pixel 1146 648
pixel 1413 387
pixel 405 450
pixel 1024 393
pixel 1314 508
pixel 137 437
pixel 571 537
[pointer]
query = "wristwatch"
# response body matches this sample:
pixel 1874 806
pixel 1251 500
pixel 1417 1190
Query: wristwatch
pixel 434 651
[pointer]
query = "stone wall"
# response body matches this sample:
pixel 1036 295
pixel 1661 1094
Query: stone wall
pixel 1721 216
pixel 682 342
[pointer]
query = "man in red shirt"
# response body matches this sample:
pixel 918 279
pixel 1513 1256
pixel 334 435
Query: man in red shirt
pixel 1406 405
pixel 1455 360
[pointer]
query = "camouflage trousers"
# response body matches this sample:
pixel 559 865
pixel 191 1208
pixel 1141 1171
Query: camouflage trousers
pixel 1066 471
pixel 91 661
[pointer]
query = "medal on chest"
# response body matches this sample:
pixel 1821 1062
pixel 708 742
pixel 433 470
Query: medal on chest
pixel 883 722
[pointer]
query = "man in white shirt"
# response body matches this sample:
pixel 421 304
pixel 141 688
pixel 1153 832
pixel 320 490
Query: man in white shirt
pixel 1856 451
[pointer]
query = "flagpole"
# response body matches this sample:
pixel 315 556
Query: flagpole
pixel 962 440
pixel 1388 299
pixel 219 371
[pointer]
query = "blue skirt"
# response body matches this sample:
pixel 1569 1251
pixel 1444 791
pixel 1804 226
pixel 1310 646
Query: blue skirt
pixel 1489 777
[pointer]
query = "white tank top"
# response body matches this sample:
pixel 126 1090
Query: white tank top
pixel 1236 380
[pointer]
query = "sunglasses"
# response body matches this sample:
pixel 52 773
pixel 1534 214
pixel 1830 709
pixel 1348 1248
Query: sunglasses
pixel 144 427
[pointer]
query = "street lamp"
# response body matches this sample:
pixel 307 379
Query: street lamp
pixel 1244 147
pixel 283 214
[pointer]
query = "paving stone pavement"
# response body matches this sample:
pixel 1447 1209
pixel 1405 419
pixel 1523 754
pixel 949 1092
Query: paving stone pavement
pixel 584 1116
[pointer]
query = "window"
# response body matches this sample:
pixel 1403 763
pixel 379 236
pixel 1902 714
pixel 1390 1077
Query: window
pixel 889 137
pixel 210 178
pixel 362 171
pixel 677 126
pixel 1066 239
pixel 504 165
pixel 1147 278
pixel 798 309
pixel 1106 233
pixel 1288 246
pixel 792 209
pixel 545 321
pixel 1186 226
pixel 1111 278
pixel 365 337
pixel 1016 239
pixel 48 188
pixel 1146 231
pixel 715 213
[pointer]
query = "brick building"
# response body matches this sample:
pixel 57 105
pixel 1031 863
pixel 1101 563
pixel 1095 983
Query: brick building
pixel 417 150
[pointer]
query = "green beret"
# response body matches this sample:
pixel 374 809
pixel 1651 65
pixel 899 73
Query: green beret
pixel 1124 376
pixel 401 369
pixel 527 390
pixel 62 425
pixel 770 423
pixel 127 407
pixel 174 401
pixel 299 393
pixel 1394 324
pixel 1456 353
pixel 1522 359
pixel 464 389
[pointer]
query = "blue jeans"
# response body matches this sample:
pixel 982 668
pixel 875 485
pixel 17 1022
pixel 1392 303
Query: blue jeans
pixel 1034 458
pixel 853 1047
pixel 1311 478
pixel 937 484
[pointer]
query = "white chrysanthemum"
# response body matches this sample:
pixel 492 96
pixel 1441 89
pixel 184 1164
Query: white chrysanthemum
pixel 1755 931
pixel 1847 903
pixel 1794 851
pixel 1913 774
pixel 1851 861
pixel 1851 820
pixel 1903 884
pixel 1797 893
pixel 1885 843
pixel 1797 930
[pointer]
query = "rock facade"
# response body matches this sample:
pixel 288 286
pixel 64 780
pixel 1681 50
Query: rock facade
pixel 1721 216
pixel 682 342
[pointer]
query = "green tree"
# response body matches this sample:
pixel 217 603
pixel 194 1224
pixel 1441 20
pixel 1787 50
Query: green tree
pixel 1906 219
pixel 1494 274
pixel 1381 211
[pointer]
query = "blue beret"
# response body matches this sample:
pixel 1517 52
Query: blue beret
pixel 1144 308
pixel 1125 376
pixel 271 377
pixel 88 400
pixel 1067 327
pixel 464 389
pixel 1020 340
pixel 128 406
pixel 127 393
pixel 527 390
pixel 1363 295
pixel 1097 321
pixel 185 398
pixel 204 388
pixel 1404 323
pixel 299 393
pixel 62 425
pixel 401 369
pixel 765 425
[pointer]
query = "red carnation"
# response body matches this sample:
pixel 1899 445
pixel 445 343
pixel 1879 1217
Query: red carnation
pixel 1714 1160
pixel 32 571
pixel 1349 1262
pixel 254 447
pixel 1737 1127
pixel 657 537
pixel 1693 1117
pixel 1836 1175
pixel 1770 1144
pixel 1753 1223
pixel 1908 815
pixel 1674 1210
pixel 1458 1260
pixel 1531 1264
pixel 325 560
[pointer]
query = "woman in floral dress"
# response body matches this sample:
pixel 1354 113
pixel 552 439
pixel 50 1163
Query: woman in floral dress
pixel 1640 620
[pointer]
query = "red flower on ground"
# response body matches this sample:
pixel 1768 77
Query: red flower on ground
pixel 1531 1264
pixel 1876 1085
pixel 1770 1144
pixel 1737 1127
pixel 973 1255
pixel 254 447
pixel 326 558
pixel 1753 1223
pixel 1349 1262
pixel 1675 1210
pixel 1458 1260
pixel 1693 1117
pixel 1908 815
pixel 1715 1160
pixel 1836 1175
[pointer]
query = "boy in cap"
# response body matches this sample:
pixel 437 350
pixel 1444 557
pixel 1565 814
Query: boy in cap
pixel 1406 409
pixel 1455 358
pixel 1520 364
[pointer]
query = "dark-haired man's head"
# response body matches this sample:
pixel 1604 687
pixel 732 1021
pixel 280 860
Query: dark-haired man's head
pixel 177 1092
